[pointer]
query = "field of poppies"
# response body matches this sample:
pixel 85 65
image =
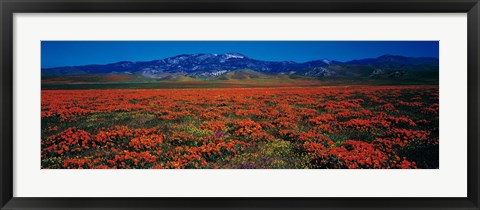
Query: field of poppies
pixel 335 127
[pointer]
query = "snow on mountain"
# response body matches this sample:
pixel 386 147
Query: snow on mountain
pixel 228 56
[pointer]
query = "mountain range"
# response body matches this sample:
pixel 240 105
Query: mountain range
pixel 218 66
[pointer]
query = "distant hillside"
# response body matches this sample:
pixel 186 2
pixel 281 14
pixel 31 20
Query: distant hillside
pixel 178 78
pixel 93 78
pixel 241 75
pixel 235 66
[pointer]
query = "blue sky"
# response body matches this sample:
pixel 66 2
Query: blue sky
pixel 72 53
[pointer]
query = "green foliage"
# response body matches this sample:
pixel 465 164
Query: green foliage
pixel 276 154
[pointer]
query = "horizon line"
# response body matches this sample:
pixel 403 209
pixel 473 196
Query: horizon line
pixel 93 64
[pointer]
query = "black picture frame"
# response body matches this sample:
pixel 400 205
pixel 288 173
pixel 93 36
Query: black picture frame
pixel 9 7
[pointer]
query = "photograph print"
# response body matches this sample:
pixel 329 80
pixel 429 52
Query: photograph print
pixel 239 105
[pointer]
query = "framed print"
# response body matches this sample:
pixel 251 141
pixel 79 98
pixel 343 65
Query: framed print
pixel 239 104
